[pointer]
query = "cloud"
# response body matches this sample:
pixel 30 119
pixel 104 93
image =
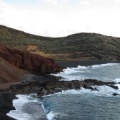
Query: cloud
pixel 84 2
pixel 62 17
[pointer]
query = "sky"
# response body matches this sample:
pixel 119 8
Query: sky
pixel 57 18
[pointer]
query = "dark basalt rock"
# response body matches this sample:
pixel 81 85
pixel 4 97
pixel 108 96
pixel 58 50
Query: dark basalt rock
pixel 6 105
pixel 114 87
pixel 51 86
pixel 115 94
pixel 41 87
pixel 96 82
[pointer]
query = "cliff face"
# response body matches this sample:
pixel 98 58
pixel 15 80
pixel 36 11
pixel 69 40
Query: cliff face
pixel 28 61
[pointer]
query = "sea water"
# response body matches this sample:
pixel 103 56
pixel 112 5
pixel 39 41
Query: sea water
pixel 80 104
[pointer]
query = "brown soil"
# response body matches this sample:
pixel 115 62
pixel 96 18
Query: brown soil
pixel 9 74
pixel 15 63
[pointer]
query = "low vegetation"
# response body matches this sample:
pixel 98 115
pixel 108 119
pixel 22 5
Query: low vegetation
pixel 83 46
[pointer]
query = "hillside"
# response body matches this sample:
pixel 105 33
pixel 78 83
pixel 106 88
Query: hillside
pixel 9 73
pixel 15 64
pixel 82 46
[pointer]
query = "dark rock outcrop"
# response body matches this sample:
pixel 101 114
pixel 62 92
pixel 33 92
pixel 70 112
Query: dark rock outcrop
pixel 114 87
pixel 47 85
pixel 115 94
pixel 99 83
pixel 6 105
pixel 51 86
pixel 28 61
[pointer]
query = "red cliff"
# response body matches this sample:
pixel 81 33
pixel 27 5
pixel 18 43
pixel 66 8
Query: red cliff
pixel 28 61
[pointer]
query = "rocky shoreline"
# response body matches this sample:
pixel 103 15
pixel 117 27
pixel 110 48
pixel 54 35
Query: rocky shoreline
pixel 51 86
pixel 14 66
pixel 34 68
pixel 44 86
pixel 6 105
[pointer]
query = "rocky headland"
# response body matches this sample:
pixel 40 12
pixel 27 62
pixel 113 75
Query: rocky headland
pixel 52 85
pixel 16 63
pixel 28 61
pixel 25 72
pixel 17 66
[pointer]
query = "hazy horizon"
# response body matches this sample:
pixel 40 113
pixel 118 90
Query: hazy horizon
pixel 57 18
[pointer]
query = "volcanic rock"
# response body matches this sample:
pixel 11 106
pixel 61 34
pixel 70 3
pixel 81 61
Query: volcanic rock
pixel 53 86
pixel 115 94
pixel 6 105
pixel 29 61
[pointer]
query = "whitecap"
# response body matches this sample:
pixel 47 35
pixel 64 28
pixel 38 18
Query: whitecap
pixel 101 91
pixel 27 108
pixel 117 80
pixel 105 65
pixel 105 72
pixel 51 115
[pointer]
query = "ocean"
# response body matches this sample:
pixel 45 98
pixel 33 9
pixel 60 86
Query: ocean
pixel 73 104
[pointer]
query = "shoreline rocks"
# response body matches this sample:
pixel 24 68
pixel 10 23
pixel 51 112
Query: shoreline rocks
pixel 44 86
pixel 6 105
pixel 51 86
pixel 14 64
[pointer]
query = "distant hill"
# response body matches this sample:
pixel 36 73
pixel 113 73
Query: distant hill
pixel 81 46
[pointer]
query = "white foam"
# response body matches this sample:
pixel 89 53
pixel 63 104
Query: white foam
pixel 82 67
pixel 102 91
pixel 106 91
pixel 22 104
pixel 51 115
pixel 100 72
pixel 117 80
pixel 105 65
pixel 19 114
pixel 69 74
pixel 18 103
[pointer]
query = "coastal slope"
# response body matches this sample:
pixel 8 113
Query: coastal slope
pixel 14 64
pixel 9 74
pixel 80 46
